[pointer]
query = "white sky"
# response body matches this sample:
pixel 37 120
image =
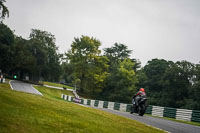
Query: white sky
pixel 164 29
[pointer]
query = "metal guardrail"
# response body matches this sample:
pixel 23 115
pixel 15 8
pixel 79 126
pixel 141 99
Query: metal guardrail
pixel 179 114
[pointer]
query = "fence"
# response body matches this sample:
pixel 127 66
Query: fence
pixel 179 114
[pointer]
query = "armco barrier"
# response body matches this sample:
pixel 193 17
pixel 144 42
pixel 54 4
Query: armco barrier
pixel 88 102
pixel 92 103
pixel 195 116
pixel 157 111
pixel 105 104
pixel 101 104
pixel 183 114
pixel 170 112
pixel 96 103
pixel 179 114
pixel 116 106
pixel 149 109
pixel 111 105
pixel 122 107
pixel 128 107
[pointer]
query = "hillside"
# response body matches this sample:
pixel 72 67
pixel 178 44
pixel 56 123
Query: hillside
pixel 22 112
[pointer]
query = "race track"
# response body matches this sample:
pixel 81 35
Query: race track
pixel 167 125
pixel 24 87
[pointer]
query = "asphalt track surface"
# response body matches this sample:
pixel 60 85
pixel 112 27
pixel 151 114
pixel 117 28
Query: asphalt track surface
pixel 24 87
pixel 166 125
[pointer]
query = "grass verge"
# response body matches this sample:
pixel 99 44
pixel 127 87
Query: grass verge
pixel 22 112
pixel 53 93
pixel 57 85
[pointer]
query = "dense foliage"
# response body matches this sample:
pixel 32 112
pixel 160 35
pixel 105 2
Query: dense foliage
pixel 171 84
pixel 36 58
pixel 3 10
pixel 89 68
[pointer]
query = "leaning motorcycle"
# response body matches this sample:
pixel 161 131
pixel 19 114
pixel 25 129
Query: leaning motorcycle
pixel 140 108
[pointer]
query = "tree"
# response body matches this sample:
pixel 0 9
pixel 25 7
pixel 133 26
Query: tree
pixel 23 61
pixel 6 36
pixel 154 70
pixel 150 78
pixel 3 10
pixel 97 74
pixel 177 83
pixel 193 101
pixel 42 46
pixel 171 84
pixel 67 72
pixel 142 80
pixel 137 64
pixel 6 41
pixel 117 52
pixel 35 58
pixel 120 85
pixel 88 65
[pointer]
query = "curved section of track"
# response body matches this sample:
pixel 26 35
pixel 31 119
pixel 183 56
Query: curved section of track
pixel 24 87
pixel 167 125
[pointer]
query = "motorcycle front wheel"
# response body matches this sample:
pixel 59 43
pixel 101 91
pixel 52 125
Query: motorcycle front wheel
pixel 141 109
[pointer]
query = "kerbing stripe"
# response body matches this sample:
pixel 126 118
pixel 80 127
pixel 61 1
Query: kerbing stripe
pixel 10 84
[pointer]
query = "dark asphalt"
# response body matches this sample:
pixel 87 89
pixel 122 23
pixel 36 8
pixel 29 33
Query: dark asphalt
pixel 25 87
pixel 167 125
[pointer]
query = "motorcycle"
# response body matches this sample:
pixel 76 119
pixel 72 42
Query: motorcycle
pixel 140 108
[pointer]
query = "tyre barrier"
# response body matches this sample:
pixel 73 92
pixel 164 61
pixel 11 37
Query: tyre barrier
pixel 178 114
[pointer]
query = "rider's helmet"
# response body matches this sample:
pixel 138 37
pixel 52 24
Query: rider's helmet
pixel 142 89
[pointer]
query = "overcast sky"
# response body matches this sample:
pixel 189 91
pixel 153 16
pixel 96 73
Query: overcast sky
pixel 164 29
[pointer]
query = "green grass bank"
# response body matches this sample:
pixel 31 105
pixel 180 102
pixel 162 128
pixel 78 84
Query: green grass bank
pixel 26 113
pixel 56 85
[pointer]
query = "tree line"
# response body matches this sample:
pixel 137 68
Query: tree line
pixel 171 84
pixel 108 74
pixel 112 75
pixel 36 57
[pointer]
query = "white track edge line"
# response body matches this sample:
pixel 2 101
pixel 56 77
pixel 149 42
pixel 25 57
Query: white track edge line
pixel 36 90
pixel 11 85
pixel 156 128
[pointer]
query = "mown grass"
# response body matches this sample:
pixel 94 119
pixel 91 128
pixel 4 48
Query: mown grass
pixel 26 113
pixel 57 85
pixel 57 94
pixel 53 93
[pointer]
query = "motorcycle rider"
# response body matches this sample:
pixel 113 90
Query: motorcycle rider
pixel 136 98
pixel 140 94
